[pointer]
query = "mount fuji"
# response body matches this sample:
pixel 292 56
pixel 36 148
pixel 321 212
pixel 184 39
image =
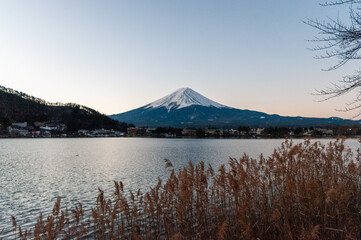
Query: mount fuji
pixel 187 108
pixel 183 97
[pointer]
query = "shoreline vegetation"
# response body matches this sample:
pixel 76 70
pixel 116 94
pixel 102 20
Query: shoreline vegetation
pixel 45 130
pixel 191 137
pixel 301 191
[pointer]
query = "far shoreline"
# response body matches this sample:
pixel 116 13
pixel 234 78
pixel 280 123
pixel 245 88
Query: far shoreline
pixel 188 137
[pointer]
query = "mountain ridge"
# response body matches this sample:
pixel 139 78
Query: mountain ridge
pixel 187 108
pixel 17 106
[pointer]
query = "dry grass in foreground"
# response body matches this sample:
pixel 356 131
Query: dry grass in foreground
pixel 303 191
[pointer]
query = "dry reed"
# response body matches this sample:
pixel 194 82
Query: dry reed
pixel 302 191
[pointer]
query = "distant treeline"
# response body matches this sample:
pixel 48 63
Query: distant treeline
pixel 278 132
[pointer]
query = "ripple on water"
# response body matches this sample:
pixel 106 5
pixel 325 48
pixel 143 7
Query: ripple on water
pixel 34 172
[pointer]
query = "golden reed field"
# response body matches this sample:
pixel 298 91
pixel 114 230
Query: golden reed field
pixel 302 191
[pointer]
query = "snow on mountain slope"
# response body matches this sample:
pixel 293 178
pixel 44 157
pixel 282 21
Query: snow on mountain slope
pixel 183 97
pixel 187 108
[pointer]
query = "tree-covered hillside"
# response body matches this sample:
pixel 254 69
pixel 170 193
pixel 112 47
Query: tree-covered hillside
pixel 19 107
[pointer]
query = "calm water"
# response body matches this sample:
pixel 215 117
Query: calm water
pixel 33 172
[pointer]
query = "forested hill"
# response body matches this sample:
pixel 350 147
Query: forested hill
pixel 20 107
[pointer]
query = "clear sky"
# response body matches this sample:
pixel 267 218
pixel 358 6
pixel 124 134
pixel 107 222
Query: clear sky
pixel 115 56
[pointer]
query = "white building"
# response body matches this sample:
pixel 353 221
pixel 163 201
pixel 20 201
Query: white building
pixel 20 124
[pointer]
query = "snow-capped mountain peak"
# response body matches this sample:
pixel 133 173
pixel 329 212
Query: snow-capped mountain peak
pixel 183 97
pixel 187 108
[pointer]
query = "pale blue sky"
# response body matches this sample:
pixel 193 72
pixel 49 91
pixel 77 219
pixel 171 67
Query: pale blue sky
pixel 114 56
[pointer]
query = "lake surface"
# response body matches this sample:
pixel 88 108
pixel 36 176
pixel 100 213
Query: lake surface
pixel 34 172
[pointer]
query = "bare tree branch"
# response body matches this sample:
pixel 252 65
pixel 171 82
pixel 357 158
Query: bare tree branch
pixel 342 41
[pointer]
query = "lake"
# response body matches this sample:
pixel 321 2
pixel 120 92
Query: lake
pixel 34 172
